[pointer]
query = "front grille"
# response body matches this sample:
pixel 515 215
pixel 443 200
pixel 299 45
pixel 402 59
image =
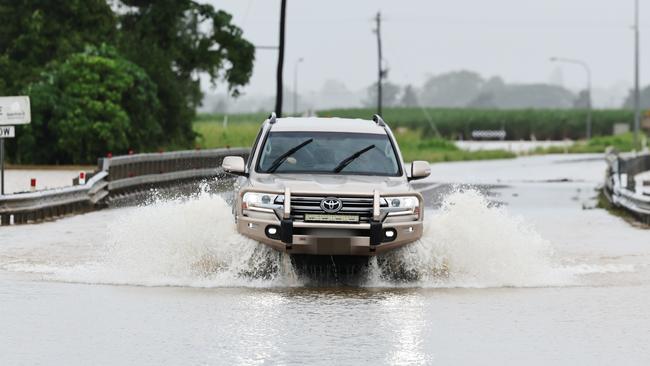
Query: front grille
pixel 362 206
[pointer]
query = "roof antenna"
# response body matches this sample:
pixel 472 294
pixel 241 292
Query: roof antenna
pixel 378 120
pixel 272 118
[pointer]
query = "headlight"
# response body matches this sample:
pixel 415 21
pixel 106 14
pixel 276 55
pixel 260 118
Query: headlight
pixel 262 200
pixel 403 202
pixel 407 205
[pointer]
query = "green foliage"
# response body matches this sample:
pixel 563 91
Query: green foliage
pixel 242 129
pixel 93 103
pixel 215 134
pixel 35 32
pixel 599 144
pixel 553 124
pixel 173 40
pixel 88 103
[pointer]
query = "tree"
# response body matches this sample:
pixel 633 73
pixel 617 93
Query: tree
pixel 389 94
pixel 409 98
pixel 174 40
pixel 93 103
pixel 515 96
pixel 582 100
pixel 35 32
pixel 171 42
pixel 484 100
pixel 644 99
pixel 452 89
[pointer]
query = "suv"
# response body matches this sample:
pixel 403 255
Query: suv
pixel 327 186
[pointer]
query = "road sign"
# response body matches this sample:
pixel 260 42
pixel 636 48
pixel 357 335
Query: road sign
pixel 7 132
pixel 15 111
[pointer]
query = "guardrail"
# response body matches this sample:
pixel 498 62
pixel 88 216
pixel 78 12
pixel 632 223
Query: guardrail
pixel 115 176
pixel 623 187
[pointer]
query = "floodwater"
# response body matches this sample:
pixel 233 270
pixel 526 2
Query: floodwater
pixel 19 180
pixel 521 270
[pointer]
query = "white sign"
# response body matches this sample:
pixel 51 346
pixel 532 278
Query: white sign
pixel 15 111
pixel 7 132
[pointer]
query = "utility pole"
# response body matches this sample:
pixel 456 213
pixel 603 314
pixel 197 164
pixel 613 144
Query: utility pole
pixel 279 87
pixel 380 72
pixel 637 102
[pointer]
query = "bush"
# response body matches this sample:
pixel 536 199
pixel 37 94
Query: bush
pixel 93 103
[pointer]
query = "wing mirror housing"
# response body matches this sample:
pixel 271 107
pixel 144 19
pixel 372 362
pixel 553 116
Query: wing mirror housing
pixel 234 165
pixel 420 169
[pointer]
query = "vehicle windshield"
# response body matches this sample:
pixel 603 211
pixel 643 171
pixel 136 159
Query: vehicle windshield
pixel 328 152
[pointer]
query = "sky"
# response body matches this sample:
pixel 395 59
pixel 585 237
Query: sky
pixel 510 38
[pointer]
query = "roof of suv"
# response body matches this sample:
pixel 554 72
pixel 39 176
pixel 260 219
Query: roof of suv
pixel 326 124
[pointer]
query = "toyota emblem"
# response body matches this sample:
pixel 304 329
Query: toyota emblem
pixel 331 205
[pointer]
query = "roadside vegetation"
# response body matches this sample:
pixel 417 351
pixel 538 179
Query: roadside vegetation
pixel 623 142
pixel 114 76
pixel 629 217
pixel 240 130
pixel 519 124
pixel 416 132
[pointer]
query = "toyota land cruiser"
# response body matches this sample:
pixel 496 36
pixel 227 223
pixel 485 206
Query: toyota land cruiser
pixel 327 186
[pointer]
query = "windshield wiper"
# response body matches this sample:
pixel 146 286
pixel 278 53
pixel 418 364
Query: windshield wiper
pixel 351 158
pixel 282 158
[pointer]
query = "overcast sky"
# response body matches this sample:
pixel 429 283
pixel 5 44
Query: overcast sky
pixel 510 38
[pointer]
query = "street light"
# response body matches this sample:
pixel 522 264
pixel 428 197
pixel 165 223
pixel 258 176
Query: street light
pixel 588 70
pixel 295 85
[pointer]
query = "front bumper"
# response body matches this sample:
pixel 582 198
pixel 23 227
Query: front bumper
pixel 330 239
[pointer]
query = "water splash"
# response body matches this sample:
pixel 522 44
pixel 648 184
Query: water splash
pixel 471 243
pixel 193 242
pixel 183 242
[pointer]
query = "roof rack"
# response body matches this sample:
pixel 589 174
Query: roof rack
pixel 272 118
pixel 378 120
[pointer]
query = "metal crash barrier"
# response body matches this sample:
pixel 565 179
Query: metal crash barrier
pixel 625 186
pixel 115 176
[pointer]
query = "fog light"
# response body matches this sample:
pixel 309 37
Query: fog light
pixel 410 229
pixel 251 225
pixel 273 232
pixel 389 234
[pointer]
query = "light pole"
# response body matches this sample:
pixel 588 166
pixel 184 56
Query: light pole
pixel 588 70
pixel 295 85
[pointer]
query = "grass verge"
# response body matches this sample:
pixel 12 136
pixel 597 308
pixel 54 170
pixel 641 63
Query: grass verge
pixel 604 203
pixel 241 130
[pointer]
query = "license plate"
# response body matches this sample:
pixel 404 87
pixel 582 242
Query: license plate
pixel 332 218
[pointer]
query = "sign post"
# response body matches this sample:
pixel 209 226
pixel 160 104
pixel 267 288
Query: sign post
pixel 13 111
pixel 2 166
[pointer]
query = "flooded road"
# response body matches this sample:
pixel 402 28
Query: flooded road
pixel 521 270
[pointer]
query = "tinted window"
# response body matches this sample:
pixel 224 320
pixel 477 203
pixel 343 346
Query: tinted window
pixel 327 150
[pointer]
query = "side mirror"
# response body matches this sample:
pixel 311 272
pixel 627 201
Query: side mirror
pixel 234 165
pixel 420 169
